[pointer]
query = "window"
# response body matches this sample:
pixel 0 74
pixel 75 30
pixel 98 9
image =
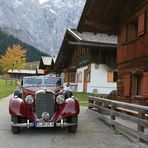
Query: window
pixel 137 84
pixel 112 76
pixel 66 77
pixel 132 30
pixel 69 77
pixel 72 77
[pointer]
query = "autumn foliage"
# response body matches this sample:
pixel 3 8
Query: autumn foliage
pixel 15 58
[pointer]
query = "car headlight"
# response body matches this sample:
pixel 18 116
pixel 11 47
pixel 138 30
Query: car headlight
pixel 60 99
pixel 29 99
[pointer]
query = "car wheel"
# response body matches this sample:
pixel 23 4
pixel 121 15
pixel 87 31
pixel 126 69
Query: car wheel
pixel 18 93
pixel 14 129
pixel 73 128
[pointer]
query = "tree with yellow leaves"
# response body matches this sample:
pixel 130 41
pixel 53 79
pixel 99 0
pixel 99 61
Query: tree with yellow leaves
pixel 15 58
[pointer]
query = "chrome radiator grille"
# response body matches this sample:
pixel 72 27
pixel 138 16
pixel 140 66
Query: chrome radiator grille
pixel 44 103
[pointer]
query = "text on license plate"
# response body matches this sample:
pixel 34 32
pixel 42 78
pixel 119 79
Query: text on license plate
pixel 45 124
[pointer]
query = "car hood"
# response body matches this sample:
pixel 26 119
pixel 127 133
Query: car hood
pixel 35 89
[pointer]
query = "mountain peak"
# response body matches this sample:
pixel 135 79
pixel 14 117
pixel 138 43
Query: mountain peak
pixel 40 25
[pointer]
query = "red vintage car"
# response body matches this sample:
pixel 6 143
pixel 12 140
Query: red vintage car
pixel 42 101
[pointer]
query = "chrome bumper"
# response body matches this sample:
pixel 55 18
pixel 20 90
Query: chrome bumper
pixel 42 124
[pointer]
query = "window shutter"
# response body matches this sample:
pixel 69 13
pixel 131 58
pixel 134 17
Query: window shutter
pixel 110 76
pixel 145 84
pixel 141 23
pixel 123 34
pixel 127 85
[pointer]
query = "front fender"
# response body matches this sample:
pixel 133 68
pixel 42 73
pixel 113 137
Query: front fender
pixel 69 108
pixel 17 107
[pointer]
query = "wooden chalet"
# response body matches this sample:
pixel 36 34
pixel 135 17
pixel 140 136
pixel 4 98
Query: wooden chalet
pixel 84 56
pixel 47 64
pixel 129 20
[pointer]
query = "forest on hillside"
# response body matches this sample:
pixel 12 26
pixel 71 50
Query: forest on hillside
pixel 6 41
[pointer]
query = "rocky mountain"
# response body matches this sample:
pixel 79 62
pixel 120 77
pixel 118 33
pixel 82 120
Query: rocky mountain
pixel 60 15
pixel 40 25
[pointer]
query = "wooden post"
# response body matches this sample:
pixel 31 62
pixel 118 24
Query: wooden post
pixel 113 107
pixel 88 103
pixel 141 116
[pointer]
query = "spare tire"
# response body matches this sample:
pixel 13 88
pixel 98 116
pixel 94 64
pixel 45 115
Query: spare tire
pixel 68 94
pixel 18 94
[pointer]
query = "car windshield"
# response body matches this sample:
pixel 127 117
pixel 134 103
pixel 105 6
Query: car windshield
pixel 41 81
pixel 52 81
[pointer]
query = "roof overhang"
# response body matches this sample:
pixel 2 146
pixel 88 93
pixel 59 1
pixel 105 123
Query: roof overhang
pixel 90 44
pixel 106 15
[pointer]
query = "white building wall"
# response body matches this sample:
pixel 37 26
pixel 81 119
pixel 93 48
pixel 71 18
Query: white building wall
pixel 80 84
pixel 98 80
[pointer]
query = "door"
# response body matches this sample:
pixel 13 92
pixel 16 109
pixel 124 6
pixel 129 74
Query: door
pixel 85 81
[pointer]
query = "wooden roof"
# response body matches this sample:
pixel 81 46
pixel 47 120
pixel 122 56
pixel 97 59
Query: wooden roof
pixel 106 15
pixel 74 38
pixel 96 38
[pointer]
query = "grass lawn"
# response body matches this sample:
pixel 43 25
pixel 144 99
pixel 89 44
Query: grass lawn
pixel 83 97
pixel 6 90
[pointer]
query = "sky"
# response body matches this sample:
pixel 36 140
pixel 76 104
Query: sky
pixel 42 1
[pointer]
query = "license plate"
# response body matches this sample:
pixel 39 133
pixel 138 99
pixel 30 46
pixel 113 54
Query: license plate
pixel 44 124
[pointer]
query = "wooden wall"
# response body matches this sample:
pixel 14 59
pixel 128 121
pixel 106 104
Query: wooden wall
pixel 132 58
pixel 133 47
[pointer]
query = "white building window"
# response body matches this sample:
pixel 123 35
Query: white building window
pixel 112 76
